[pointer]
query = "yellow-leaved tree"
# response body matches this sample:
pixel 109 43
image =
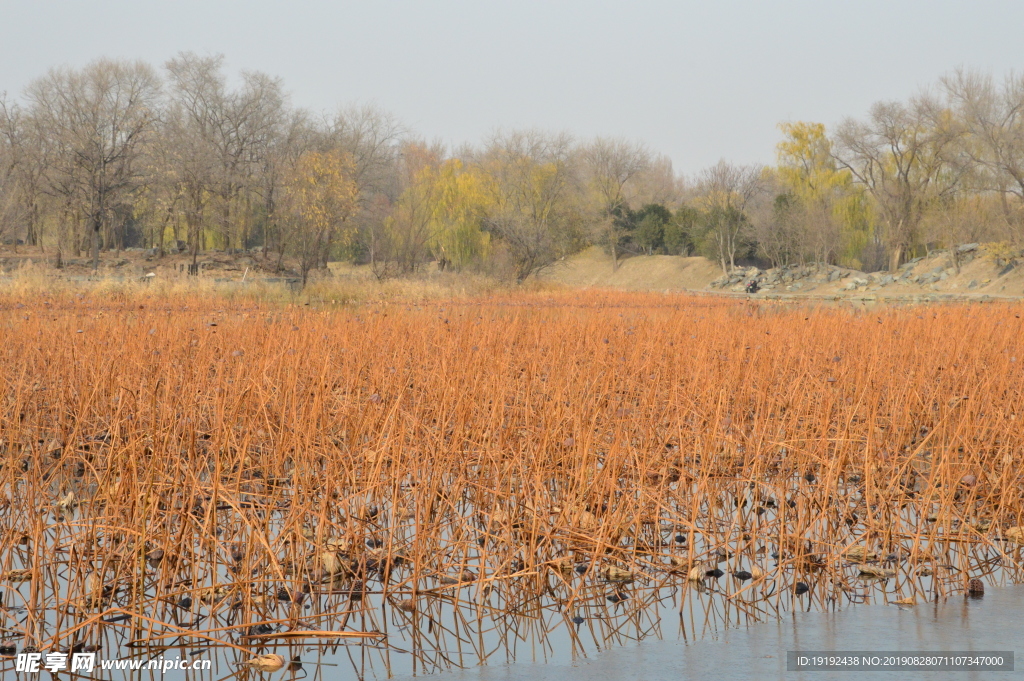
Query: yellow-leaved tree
pixel 321 196
pixel 834 213
pixel 460 202
pixel 440 213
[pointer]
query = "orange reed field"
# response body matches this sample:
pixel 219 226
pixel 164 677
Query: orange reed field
pixel 416 478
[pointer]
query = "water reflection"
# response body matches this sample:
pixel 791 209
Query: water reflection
pixel 759 652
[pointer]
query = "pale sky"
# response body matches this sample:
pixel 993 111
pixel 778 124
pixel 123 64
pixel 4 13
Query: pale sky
pixel 698 81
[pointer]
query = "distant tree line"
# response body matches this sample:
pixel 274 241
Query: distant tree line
pixel 119 154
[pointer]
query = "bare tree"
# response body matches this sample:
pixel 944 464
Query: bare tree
pixel 613 168
pixel 197 90
pixel 223 138
pixel 902 155
pixel 778 228
pixel 22 171
pixel 96 120
pixel 532 186
pixel 373 138
pixel 10 191
pixel 282 154
pixel 994 144
pixel 726 192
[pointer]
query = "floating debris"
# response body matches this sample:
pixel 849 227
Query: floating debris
pixel 617 574
pixel 21 575
pixel 875 571
pixel 860 554
pixel 266 663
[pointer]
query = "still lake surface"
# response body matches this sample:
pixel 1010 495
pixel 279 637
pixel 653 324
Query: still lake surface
pixel 992 622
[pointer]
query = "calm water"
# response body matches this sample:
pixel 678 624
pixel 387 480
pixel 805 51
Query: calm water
pixel 759 652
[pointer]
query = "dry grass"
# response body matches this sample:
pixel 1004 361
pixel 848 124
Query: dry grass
pixel 462 477
pixel 346 285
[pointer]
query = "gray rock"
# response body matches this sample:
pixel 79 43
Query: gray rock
pixel 834 275
pixel 966 248
pixel 973 284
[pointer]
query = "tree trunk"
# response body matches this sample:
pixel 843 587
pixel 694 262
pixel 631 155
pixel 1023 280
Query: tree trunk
pixel 326 249
pixel 895 257
pixel 226 224
pixel 96 243
pixel 34 238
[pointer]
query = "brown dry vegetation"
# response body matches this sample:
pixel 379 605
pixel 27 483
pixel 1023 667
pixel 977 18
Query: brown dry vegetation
pixel 487 470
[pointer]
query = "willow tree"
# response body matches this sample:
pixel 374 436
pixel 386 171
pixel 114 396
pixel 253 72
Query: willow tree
pixel 458 208
pixel 832 209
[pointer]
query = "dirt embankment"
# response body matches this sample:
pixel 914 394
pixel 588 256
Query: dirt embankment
pixel 592 268
pixel 983 271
